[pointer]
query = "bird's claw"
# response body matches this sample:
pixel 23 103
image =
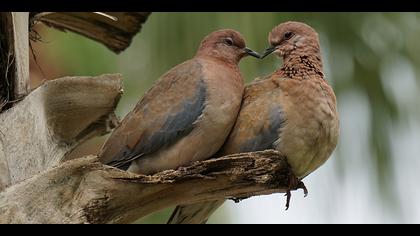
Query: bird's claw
pixel 289 196
pixel 237 199
pixel 303 187
pixel 294 184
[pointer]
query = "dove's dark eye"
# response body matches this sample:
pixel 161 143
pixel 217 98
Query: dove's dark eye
pixel 229 41
pixel 288 35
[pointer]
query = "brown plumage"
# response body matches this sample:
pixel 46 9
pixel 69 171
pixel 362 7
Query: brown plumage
pixel 293 110
pixel 187 114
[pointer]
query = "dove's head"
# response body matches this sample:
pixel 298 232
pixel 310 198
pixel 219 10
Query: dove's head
pixel 227 45
pixel 290 37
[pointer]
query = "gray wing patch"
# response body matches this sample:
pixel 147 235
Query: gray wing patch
pixel 177 125
pixel 267 136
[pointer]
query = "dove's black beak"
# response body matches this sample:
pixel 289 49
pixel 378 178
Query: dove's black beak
pixel 268 51
pixel 252 53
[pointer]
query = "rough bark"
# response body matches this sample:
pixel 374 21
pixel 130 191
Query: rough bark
pixel 39 131
pixel 85 191
pixel 14 73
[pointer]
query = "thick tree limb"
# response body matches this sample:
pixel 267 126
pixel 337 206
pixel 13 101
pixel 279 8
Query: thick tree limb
pixel 115 30
pixel 85 191
pixel 39 131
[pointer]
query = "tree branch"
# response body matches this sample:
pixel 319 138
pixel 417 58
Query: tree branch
pixel 39 131
pixel 85 191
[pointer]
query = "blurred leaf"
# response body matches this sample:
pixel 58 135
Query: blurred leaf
pixel 113 29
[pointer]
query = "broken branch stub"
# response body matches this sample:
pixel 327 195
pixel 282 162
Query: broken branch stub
pixel 40 130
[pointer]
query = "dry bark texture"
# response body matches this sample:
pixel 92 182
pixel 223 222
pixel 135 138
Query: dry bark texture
pixel 39 131
pixel 85 191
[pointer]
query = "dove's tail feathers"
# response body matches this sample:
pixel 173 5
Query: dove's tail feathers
pixel 197 213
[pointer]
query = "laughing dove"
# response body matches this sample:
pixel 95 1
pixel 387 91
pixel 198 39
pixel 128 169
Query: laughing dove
pixel 187 114
pixel 293 110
